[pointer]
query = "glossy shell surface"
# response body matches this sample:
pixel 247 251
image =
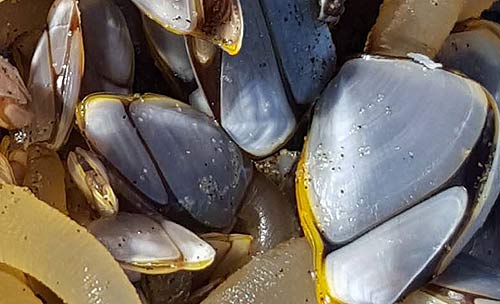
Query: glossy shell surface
pixel 366 166
pixel 195 167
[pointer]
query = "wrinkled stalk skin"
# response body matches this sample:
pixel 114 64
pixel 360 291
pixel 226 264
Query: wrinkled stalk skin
pixel 267 215
pixel 419 26
pixel 412 26
pixel 57 244
pixel 282 275
pixel 45 176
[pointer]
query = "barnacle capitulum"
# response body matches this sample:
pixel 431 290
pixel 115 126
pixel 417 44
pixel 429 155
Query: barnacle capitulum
pixel 370 171
pixel 398 172
pixel 245 92
pixel 195 169
pixel 291 60
pixel 69 260
pixel 90 175
pixel 109 53
pixel 55 76
pixel 218 21
pixel 141 244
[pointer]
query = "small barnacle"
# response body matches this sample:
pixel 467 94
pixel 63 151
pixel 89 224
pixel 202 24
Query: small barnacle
pixel 14 98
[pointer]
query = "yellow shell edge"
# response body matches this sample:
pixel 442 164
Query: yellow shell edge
pixel 311 232
pixel 166 267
